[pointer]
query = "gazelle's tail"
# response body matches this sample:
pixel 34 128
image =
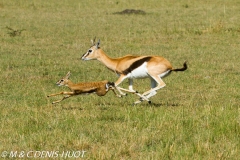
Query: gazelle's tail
pixel 181 69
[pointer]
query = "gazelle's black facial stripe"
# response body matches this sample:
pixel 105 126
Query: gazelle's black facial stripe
pixel 84 55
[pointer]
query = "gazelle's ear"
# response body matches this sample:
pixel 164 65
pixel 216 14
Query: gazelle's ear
pixel 68 75
pixel 98 43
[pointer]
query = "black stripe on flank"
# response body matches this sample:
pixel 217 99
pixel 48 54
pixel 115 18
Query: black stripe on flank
pixel 135 65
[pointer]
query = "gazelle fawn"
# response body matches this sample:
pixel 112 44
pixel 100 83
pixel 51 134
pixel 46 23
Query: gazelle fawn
pixel 100 88
pixel 134 67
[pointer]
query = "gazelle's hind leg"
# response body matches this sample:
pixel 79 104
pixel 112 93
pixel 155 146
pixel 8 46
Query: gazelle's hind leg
pixel 153 85
pixel 156 84
pixel 160 84
pixel 153 91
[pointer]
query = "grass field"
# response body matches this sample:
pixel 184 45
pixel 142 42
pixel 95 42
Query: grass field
pixel 196 116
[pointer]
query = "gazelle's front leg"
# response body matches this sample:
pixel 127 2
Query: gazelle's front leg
pixel 142 97
pixel 130 84
pixel 113 89
pixel 121 78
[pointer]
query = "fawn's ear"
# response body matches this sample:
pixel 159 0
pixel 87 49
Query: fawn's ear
pixel 106 86
pixel 68 75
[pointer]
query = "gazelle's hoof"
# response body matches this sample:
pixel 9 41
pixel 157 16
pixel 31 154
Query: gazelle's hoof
pixel 119 96
pixel 141 100
pixel 137 102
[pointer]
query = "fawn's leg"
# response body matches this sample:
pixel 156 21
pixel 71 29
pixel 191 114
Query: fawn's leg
pixel 65 97
pixel 69 94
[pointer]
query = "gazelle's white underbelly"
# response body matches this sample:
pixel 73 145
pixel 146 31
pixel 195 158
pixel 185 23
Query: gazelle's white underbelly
pixel 140 72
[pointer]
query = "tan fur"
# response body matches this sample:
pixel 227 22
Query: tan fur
pixel 156 65
pixel 83 88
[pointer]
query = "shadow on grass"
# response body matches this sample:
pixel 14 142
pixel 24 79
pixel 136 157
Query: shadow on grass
pixel 131 11
pixel 106 106
pixel 159 104
pixel 100 106
pixel 71 108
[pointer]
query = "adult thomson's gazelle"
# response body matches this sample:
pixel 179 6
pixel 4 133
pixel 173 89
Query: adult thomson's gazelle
pixel 130 67
pixel 100 88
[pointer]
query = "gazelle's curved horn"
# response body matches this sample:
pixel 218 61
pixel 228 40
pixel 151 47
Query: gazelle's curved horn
pixel 93 41
pixel 98 43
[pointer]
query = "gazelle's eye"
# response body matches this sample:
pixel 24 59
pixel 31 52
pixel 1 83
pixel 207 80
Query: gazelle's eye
pixel 89 51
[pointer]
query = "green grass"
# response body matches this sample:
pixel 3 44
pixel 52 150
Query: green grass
pixel 196 116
